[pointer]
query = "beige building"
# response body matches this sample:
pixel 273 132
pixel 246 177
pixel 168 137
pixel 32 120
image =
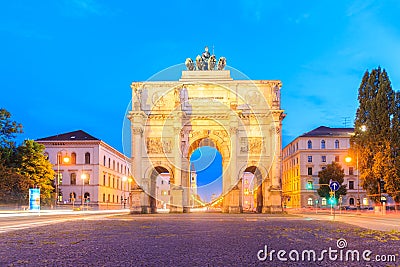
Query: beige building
pixel 249 190
pixel 90 171
pixel 308 154
pixel 163 191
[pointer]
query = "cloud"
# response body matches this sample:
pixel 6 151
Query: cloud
pixel 81 8
pixel 358 7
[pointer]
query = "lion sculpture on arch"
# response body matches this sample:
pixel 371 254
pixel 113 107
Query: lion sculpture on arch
pixel 212 62
pixel 189 64
pixel 221 63
pixel 199 62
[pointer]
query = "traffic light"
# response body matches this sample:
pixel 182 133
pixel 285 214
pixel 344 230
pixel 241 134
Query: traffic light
pixel 310 185
pixel 332 201
pixel 381 185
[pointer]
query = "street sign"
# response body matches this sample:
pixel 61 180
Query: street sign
pixel 334 186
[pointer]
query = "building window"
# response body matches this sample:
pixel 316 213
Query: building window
pixel 104 179
pixel 336 158
pixel 60 178
pixel 109 163
pixel 309 159
pixel 108 199
pixel 73 178
pixel 323 144
pixel 309 171
pixel 104 197
pixel 87 180
pixel 309 201
pixel 87 197
pixel 323 158
pixel 337 144
pixel 113 164
pixel 351 201
pixel 73 158
pixel 309 144
pixel 323 202
pixel 117 183
pixel 72 197
pixel 351 184
pixel 117 166
pixel 104 160
pixel 351 171
pixel 87 158
pixel 113 183
pixel 113 199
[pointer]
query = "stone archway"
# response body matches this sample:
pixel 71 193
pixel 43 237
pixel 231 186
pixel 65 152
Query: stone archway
pixel 154 191
pixel 240 118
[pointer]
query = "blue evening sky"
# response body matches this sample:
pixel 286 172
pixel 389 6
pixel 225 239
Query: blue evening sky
pixel 68 64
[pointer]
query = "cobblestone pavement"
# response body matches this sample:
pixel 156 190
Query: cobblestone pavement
pixel 193 240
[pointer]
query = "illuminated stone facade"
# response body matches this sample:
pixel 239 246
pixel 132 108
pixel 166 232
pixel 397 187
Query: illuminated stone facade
pixel 240 118
pixel 102 166
pixel 308 154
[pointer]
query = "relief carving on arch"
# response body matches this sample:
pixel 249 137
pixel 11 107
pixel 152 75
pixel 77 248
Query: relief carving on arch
pixel 137 131
pixel 155 145
pixel 252 145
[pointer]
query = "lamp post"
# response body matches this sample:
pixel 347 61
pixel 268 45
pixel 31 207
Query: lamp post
pixel 124 179
pixel 83 177
pixel 57 183
pixel 348 159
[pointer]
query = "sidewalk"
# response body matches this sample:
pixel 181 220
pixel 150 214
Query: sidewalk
pixel 365 213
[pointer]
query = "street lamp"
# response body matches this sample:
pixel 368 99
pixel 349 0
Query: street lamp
pixel 83 177
pixel 123 199
pixel 57 183
pixel 348 159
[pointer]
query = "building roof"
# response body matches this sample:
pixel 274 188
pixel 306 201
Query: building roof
pixel 78 135
pixel 327 131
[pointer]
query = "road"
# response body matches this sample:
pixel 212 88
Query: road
pixel 199 239
pixel 11 220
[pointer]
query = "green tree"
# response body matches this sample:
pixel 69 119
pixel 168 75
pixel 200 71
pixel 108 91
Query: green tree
pixel 332 172
pixel 13 186
pixel 377 134
pixel 34 165
pixel 8 129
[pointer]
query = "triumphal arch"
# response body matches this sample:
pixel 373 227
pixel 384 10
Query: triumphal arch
pixel 241 118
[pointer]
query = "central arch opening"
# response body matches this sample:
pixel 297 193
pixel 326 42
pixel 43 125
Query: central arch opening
pixel 205 175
